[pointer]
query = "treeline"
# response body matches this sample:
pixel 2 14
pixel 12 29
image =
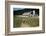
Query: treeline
pixel 20 12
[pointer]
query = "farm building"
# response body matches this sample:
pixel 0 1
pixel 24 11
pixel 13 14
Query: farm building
pixel 28 12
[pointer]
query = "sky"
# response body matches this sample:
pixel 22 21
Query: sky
pixel 18 8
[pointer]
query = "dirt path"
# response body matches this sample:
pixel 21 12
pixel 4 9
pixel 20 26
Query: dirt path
pixel 25 25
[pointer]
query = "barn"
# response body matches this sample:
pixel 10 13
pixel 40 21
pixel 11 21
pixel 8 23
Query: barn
pixel 27 12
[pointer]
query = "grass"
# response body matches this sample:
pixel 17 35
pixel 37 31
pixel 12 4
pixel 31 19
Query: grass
pixel 32 21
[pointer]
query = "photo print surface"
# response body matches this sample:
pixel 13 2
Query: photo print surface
pixel 25 17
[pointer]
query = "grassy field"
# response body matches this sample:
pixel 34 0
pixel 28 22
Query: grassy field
pixel 32 21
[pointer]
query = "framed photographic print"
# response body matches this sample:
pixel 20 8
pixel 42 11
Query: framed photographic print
pixel 24 17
